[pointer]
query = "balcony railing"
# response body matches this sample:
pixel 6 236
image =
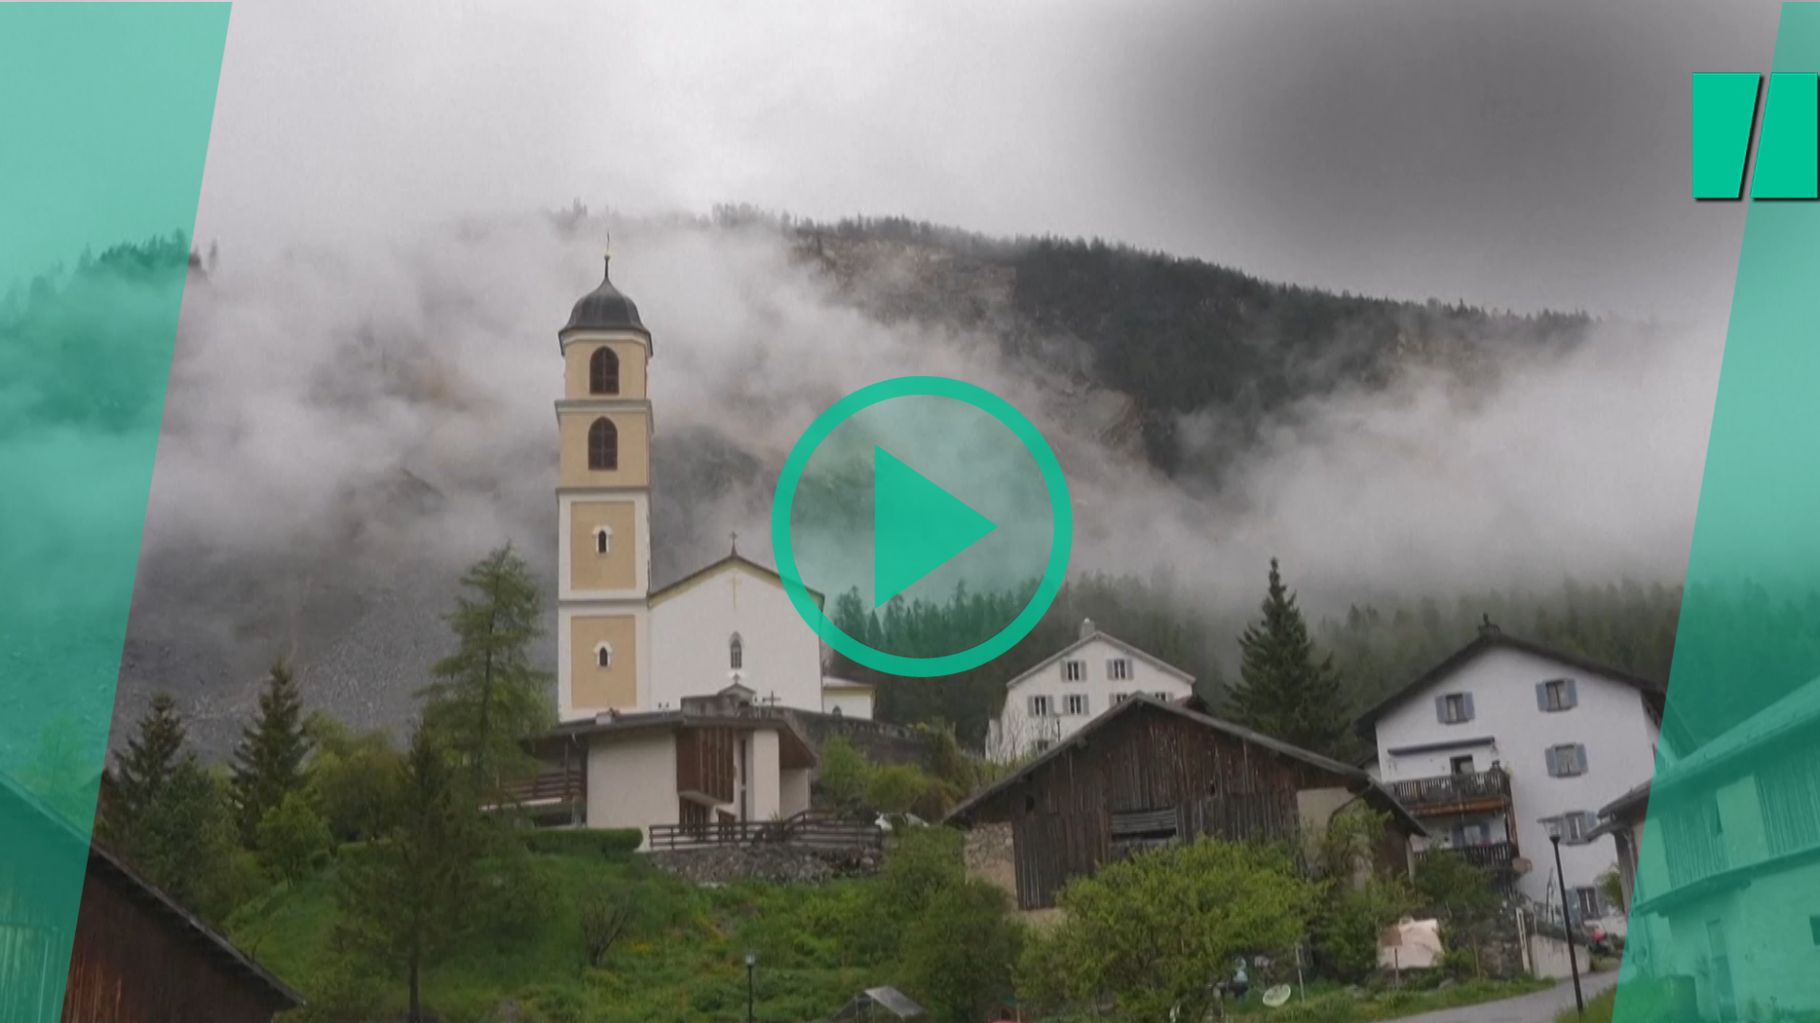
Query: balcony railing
pixel 1449 790
pixel 1492 856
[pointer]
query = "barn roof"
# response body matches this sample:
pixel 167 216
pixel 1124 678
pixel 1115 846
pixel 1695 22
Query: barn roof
pixel 1357 781
pixel 161 906
pixel 1492 638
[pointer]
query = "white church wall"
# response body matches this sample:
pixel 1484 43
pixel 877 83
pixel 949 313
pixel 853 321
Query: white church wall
pixel 632 781
pixel 855 702
pixel 793 791
pixel 763 775
pixel 691 628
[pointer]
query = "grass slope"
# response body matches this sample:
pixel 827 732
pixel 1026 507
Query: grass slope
pixel 682 960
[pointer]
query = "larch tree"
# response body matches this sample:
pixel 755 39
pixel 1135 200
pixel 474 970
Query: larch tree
pixel 1286 689
pixel 488 698
pixel 268 762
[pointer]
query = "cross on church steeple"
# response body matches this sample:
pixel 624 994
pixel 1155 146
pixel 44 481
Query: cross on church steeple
pixel 734 537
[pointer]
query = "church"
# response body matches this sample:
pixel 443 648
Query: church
pixel 680 705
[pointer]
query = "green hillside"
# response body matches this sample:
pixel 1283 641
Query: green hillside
pixel 681 957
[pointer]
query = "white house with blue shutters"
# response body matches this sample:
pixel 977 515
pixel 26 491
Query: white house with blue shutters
pixel 1073 686
pixel 1508 741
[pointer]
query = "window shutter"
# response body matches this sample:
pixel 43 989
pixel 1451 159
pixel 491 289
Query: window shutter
pixel 1554 762
pixel 1572 694
pixel 1541 696
pixel 1468 702
pixel 1441 709
pixel 1579 759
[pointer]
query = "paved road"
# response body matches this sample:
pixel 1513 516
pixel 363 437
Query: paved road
pixel 1539 1007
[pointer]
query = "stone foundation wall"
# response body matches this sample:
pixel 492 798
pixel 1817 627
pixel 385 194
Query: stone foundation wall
pixel 881 743
pixel 780 863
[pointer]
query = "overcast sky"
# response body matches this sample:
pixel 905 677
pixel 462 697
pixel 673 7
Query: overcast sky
pixel 1509 152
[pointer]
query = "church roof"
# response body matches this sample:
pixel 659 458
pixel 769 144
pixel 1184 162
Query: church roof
pixel 605 308
pixel 733 560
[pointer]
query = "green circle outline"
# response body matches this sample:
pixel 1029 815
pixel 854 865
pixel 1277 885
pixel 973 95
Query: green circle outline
pixel 1060 544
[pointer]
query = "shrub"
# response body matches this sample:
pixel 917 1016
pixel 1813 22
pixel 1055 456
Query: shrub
pixel 897 788
pixel 1154 930
pixel 606 913
pixel 922 864
pixel 845 774
pixel 293 839
pixel 958 954
pixel 611 843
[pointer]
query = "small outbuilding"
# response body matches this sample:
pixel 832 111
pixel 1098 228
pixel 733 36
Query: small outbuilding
pixel 1149 772
pixel 880 1005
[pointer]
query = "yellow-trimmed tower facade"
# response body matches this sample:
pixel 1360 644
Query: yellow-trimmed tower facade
pixel 604 426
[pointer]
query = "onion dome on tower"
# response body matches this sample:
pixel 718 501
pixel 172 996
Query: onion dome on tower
pixel 605 308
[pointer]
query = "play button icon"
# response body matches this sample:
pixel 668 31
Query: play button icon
pixel 917 526
pixel 930 500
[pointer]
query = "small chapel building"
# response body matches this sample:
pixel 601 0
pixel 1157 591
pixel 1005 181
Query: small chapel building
pixel 678 704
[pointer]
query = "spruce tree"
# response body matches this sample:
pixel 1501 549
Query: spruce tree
pixel 268 762
pixel 407 899
pixel 1284 691
pixel 487 698
pixel 144 771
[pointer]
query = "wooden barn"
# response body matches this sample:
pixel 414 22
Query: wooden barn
pixel 1146 773
pixel 134 955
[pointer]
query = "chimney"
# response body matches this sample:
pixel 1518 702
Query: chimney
pixel 1087 628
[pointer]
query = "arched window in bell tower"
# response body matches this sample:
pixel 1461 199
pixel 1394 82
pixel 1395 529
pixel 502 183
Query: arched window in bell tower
pixel 603 444
pixel 603 372
pixel 736 653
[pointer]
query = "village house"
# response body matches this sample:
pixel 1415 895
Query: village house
pixel 1056 698
pixel 1507 742
pixel 1145 772
pixel 1724 884
pixel 134 954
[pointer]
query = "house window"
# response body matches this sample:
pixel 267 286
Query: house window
pixel 1075 703
pixel 1118 698
pixel 1454 708
pixel 1039 706
pixel 1567 761
pixel 603 655
pixel 1586 903
pixel 603 540
pixel 603 372
pixel 1118 669
pixel 1556 694
pixel 736 653
pixel 1461 765
pixel 1074 671
pixel 603 444
pixel 1159 694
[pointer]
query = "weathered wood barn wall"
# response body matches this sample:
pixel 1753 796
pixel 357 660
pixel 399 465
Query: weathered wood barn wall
pixel 135 956
pixel 1146 773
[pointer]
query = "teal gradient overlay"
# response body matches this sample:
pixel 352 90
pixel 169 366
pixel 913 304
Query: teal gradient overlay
pixel 1724 105
pixel 815 553
pixel 1788 144
pixel 105 126
pixel 1725 913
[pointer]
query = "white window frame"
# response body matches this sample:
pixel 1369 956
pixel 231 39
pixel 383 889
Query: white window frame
pixel 1450 702
pixel 1118 669
pixel 1075 705
pixel 603 656
pixel 1074 671
pixel 603 540
pixel 1040 706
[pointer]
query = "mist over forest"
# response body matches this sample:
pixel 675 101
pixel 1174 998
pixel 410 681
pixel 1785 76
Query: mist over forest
pixel 345 430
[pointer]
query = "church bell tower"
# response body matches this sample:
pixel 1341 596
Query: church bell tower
pixel 603 424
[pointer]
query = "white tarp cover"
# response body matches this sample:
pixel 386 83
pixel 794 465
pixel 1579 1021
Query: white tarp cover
pixel 1410 945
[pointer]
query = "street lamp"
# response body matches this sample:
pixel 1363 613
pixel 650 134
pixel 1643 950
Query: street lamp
pixel 1567 923
pixel 751 963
